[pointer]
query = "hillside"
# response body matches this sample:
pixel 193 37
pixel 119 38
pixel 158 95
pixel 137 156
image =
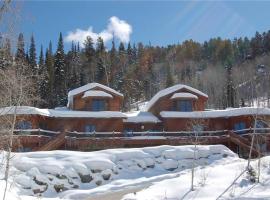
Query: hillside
pixel 233 72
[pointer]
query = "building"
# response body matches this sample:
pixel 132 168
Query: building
pixel 95 109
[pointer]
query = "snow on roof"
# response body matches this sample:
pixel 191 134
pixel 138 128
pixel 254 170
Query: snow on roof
pixel 184 95
pixel 89 86
pixel 96 93
pixel 170 90
pixel 141 117
pixel 231 112
pixel 27 110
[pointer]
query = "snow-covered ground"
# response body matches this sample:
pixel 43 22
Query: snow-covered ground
pixel 150 173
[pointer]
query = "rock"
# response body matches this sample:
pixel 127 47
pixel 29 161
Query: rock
pixel 75 186
pixel 40 189
pixel 61 176
pixel 170 164
pixel 85 178
pixel 225 155
pixel 37 191
pixel 106 174
pixel 70 182
pixel 96 170
pixel 60 188
pixel 39 181
pixel 98 182
pixel 141 163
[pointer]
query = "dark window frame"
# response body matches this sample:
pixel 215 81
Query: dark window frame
pixel 90 128
pixel 96 105
pixel 183 105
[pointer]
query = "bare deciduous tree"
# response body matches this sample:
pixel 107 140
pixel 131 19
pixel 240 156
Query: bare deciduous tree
pixel 15 91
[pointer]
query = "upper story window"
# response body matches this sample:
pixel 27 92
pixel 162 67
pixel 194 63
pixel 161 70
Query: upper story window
pixel 98 105
pixel 183 105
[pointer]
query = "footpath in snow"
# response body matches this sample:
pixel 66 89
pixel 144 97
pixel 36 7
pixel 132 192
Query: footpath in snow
pixel 130 174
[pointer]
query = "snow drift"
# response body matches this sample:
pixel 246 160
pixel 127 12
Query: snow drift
pixel 76 175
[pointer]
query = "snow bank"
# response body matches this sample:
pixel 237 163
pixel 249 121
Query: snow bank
pixel 210 182
pixel 52 173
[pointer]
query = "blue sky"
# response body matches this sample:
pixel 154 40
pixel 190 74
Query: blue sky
pixel 158 22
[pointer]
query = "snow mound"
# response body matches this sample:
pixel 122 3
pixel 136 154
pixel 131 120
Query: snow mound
pixel 69 173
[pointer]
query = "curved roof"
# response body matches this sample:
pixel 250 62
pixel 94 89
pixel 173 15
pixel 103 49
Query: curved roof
pixel 90 86
pixel 170 90
pixel 87 87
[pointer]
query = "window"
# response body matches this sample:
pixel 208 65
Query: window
pixel 90 128
pixel 184 105
pixel 98 105
pixel 261 125
pixel 24 125
pixel 24 149
pixel 238 127
pixel 198 129
pixel 128 132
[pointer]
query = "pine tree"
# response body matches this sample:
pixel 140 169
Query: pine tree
pixel 101 75
pixel 60 74
pixel 88 72
pixel 122 65
pixel 76 76
pixel 257 45
pixel 20 53
pixel 113 65
pixel 130 54
pixel 230 91
pixel 73 67
pixel 32 56
pixel 49 66
pixel 43 80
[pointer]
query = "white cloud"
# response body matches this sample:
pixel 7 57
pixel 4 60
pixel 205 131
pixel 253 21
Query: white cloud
pixel 117 28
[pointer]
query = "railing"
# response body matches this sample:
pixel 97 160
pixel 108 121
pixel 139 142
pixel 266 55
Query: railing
pixel 146 134
pixel 35 132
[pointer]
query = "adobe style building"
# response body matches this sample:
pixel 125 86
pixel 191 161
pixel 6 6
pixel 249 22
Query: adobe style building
pixel 95 108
